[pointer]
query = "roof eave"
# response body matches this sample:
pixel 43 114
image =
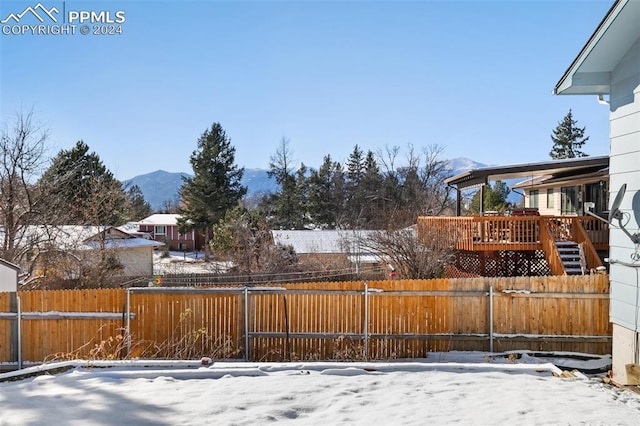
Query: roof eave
pixel 575 82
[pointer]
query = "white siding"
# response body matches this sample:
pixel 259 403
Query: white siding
pixel 8 278
pixel 542 201
pixel 136 261
pixel 625 168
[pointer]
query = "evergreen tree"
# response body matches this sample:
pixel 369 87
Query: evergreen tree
pixel 301 197
pixel 286 207
pixel 83 190
pixel 371 193
pixel 139 208
pixel 325 188
pixel 495 198
pixel 215 186
pixel 354 195
pixel 355 166
pixel 568 139
pixel 338 193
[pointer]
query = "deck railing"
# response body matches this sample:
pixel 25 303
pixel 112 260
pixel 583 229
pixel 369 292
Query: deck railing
pixel 491 233
pixel 547 235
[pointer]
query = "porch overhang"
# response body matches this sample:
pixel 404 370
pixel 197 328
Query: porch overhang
pixel 482 176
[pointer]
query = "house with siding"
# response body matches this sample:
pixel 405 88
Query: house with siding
pixel 164 228
pixel 567 194
pixel 609 64
pixel 67 249
pixel 528 242
pixel 8 276
pixel 581 180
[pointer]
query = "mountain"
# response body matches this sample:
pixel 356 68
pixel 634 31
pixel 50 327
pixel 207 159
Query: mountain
pixel 258 183
pixel 160 187
pixel 461 165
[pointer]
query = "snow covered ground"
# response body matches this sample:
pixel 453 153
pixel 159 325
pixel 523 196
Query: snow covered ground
pixel 445 388
pixel 185 263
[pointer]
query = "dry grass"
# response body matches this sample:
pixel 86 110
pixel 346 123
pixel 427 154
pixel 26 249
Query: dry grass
pixel 190 345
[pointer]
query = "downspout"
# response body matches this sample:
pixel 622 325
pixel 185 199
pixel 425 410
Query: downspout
pixel 602 100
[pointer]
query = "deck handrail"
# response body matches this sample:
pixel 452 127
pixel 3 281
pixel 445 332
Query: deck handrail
pixel 473 233
pixel 550 249
pixel 590 253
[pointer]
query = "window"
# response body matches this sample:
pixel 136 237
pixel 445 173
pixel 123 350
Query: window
pixel 550 203
pixel 596 193
pixel 533 199
pixel 160 230
pixel 568 199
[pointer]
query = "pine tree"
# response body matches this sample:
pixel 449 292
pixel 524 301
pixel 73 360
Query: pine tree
pixel 371 193
pixel 83 190
pixel 286 207
pixel 326 194
pixel 495 198
pixel 568 139
pixel 215 186
pixel 139 208
pixel 354 201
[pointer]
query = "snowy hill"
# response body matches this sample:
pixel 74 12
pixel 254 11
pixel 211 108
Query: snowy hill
pixel 160 187
pixel 460 165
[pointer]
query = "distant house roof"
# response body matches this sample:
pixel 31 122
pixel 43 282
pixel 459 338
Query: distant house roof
pixel 161 219
pixel 120 243
pixel 78 237
pixel 483 175
pixel 590 71
pixel 323 242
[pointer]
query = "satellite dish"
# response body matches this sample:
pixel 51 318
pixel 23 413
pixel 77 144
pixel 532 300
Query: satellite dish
pixel 615 212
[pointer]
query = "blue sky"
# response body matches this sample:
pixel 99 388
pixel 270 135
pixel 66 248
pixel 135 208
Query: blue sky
pixel 474 77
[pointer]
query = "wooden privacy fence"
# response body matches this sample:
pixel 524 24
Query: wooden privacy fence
pixel 342 321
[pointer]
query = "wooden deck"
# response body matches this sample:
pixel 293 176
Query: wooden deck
pixel 518 233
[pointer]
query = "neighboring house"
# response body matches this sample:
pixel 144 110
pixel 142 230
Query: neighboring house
pixel 133 253
pixel 8 276
pixel 164 228
pixel 609 64
pixel 554 240
pixel 72 247
pixel 572 194
pixel 329 244
pixel 581 178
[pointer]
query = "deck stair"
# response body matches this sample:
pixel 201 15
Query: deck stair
pixel 572 257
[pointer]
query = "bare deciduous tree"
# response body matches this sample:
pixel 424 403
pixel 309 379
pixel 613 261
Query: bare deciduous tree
pixel 409 257
pixel 22 146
